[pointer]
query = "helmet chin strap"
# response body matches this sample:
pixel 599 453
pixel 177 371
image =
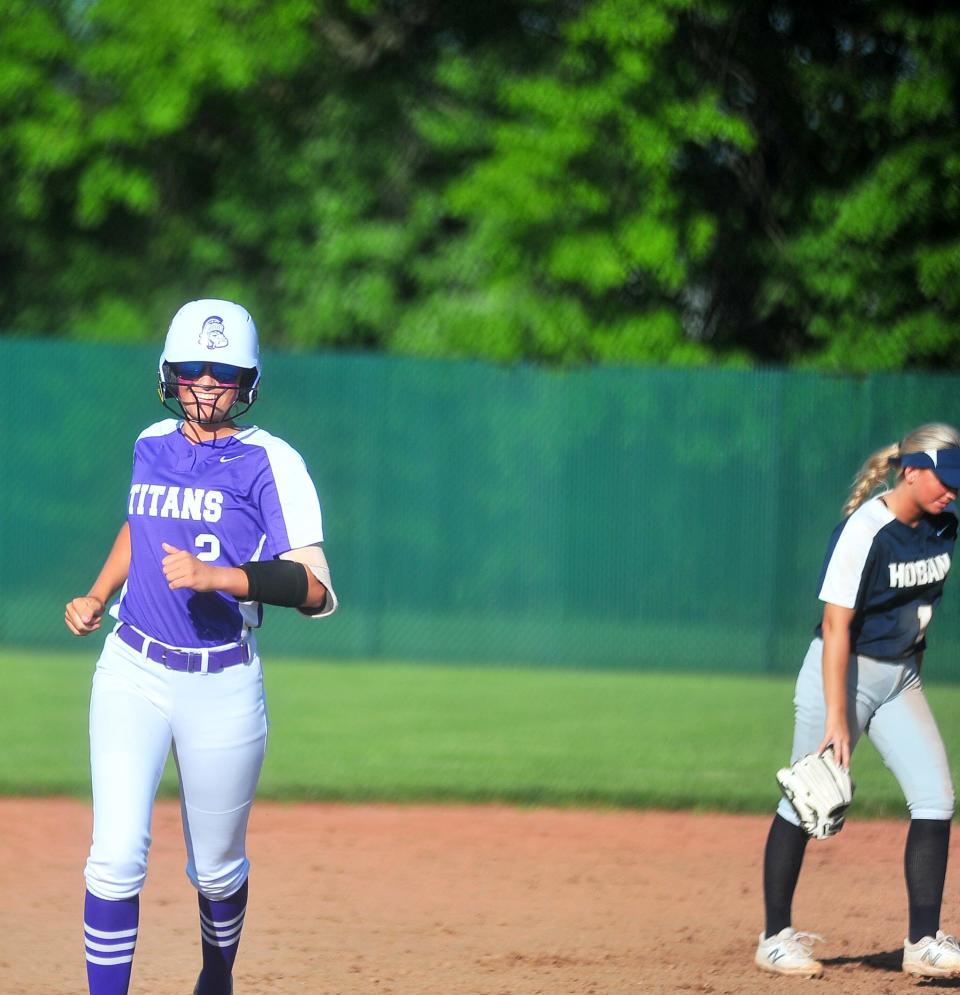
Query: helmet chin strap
pixel 193 421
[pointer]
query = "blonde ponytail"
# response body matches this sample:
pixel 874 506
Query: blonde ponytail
pixel 872 475
pixel 876 470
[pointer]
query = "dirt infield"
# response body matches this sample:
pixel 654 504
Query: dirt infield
pixel 467 901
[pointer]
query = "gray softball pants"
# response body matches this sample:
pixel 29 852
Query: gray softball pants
pixel 885 700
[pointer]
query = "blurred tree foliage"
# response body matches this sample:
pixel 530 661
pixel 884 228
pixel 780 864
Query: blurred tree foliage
pixel 565 181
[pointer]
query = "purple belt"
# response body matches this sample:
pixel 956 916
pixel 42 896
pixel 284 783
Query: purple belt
pixel 188 661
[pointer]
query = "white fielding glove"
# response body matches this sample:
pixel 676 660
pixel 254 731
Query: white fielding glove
pixel 820 791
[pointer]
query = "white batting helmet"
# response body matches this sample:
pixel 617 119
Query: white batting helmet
pixel 216 332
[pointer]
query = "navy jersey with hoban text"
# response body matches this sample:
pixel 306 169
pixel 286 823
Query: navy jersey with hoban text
pixel 892 574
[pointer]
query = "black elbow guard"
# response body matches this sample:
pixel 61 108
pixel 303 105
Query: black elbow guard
pixel 277 582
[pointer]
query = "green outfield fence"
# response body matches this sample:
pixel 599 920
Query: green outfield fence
pixel 633 518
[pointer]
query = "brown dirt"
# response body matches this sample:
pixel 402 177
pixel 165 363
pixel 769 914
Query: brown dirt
pixel 425 900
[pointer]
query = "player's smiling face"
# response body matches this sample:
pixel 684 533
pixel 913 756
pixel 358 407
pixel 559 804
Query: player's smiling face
pixel 206 399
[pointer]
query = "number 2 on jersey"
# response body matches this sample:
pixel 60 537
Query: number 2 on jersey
pixel 209 546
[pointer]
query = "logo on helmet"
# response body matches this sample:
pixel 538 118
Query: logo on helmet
pixel 212 334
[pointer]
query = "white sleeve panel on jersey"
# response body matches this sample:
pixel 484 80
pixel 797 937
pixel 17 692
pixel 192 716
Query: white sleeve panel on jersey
pixel 314 558
pixel 164 427
pixel 299 504
pixel 844 573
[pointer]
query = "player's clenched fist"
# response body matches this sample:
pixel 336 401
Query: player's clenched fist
pixel 183 569
pixel 83 615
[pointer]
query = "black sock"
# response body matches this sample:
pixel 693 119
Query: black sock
pixel 782 859
pixel 925 867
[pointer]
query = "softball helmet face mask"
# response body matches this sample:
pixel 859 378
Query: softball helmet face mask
pixel 211 337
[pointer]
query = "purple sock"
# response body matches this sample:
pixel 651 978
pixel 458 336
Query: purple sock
pixel 220 926
pixel 110 932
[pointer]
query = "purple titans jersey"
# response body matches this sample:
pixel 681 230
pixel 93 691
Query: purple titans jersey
pixel 247 497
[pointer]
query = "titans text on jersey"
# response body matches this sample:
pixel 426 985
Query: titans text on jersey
pixel 189 502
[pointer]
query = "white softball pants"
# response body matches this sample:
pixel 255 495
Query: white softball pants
pixel 217 726
pixel 885 700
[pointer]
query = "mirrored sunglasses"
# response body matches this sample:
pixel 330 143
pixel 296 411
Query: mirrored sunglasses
pixel 223 373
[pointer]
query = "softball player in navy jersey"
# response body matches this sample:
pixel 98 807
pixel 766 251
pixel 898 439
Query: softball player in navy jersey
pixel 221 519
pixel 882 580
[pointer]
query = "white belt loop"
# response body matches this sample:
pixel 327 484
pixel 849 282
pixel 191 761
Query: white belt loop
pixel 204 661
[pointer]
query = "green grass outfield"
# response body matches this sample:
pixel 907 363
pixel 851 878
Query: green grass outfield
pixel 406 732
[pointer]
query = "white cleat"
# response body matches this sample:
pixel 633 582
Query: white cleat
pixel 789 952
pixel 932 957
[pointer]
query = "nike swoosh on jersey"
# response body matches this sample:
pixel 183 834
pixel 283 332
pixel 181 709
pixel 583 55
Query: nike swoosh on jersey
pixel 230 459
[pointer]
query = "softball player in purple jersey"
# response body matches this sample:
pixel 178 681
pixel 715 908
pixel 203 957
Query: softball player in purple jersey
pixel 221 519
pixel 882 579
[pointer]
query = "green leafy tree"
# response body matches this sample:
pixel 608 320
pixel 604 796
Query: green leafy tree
pixel 872 272
pixel 263 151
pixel 693 181
pixel 620 181
pixel 577 239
